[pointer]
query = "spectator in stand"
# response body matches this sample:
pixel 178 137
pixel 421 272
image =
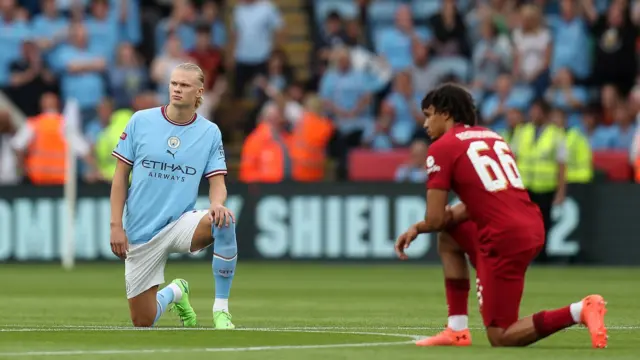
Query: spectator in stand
pixel 492 55
pixel 332 34
pixel 414 170
pixel 8 162
pixel 615 37
pixel 103 29
pixel 81 72
pixel 600 137
pixel 127 77
pixel 130 29
pixel 256 31
pixel 347 97
pixel 406 112
pixel 570 42
pixel 378 137
pixel 624 128
pixel 423 76
pixel 362 59
pixel 395 43
pixel 450 47
pixel 49 28
pixel 14 31
pixel 278 76
pixel 515 117
pixel 566 96
pixel 210 59
pixel 97 125
pixel 211 18
pixel 506 96
pixel 532 53
pixel 579 155
pixel 30 79
pixel 180 22
pixel 610 99
pixel 163 65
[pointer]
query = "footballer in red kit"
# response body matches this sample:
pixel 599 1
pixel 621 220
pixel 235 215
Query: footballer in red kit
pixel 496 225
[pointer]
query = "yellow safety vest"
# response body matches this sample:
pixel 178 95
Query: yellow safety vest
pixel 580 162
pixel 536 158
pixel 107 142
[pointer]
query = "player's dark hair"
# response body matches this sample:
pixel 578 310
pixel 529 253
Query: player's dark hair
pixel 454 101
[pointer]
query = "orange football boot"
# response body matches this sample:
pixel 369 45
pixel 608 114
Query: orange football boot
pixel 448 337
pixel 592 316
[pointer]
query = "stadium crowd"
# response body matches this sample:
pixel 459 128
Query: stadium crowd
pixel 371 64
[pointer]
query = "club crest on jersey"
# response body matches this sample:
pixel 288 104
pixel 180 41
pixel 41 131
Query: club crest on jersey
pixel 431 165
pixel 173 142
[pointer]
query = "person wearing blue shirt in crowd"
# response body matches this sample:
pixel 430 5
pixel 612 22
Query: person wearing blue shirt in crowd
pixel 80 70
pixel 210 16
pixel 563 94
pixel 623 129
pixel 570 40
pixel 600 137
pixel 414 171
pixel 395 43
pixel 179 23
pixel 127 77
pixel 506 96
pixel 49 28
pixel 102 29
pixel 167 151
pixel 13 31
pixel 405 105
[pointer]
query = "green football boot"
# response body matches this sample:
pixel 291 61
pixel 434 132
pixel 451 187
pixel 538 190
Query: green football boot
pixel 222 320
pixel 183 307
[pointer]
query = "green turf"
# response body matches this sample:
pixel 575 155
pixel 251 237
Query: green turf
pixel 44 306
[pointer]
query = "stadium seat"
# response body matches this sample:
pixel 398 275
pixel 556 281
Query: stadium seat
pixel 423 9
pixel 346 8
pixel 614 163
pixel 361 163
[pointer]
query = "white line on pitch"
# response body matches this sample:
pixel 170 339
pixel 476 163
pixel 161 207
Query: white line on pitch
pixel 183 350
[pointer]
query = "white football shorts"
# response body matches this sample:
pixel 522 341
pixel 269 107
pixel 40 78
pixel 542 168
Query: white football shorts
pixel 144 265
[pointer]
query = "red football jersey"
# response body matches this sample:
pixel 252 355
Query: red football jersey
pixel 478 165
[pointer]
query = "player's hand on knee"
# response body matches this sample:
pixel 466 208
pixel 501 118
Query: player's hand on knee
pixel 404 241
pixel 119 242
pixel 221 216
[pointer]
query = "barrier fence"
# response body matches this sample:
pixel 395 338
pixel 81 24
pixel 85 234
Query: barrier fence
pixel 597 224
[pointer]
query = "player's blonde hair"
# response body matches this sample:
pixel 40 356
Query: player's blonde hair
pixel 195 68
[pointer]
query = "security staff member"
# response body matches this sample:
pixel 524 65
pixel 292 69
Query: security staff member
pixel 541 155
pixel 579 155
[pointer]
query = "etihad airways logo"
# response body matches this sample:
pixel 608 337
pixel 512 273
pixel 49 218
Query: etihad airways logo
pixel 167 171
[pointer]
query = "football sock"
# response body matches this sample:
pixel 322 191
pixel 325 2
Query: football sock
pixel 457 292
pixel 576 311
pixel 221 305
pixel 225 257
pixel 171 293
pixel 552 321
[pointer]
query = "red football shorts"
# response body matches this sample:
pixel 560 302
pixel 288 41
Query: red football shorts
pixel 499 277
pixel 500 284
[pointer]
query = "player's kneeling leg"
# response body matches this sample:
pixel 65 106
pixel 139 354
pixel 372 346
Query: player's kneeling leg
pixel 225 256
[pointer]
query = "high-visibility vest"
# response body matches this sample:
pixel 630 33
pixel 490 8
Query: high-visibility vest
pixel 536 158
pixel 308 144
pixel 580 158
pixel 46 159
pixel 107 142
pixel 507 135
pixel 263 157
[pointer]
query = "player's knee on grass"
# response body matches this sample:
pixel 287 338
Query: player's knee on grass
pixel 143 308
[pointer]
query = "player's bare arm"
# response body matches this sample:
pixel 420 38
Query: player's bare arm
pixel 219 215
pixel 119 186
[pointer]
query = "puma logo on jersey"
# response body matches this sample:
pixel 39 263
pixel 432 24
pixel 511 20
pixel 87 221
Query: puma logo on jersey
pixel 173 155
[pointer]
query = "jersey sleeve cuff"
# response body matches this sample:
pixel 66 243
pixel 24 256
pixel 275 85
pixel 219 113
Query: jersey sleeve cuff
pixel 122 158
pixel 215 172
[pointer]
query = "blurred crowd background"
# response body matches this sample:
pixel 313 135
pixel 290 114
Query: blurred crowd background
pixel 318 90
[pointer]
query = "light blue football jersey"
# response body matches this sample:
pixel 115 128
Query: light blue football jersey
pixel 168 160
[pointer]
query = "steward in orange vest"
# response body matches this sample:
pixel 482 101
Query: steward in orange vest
pixel 265 155
pixel 45 160
pixel 308 147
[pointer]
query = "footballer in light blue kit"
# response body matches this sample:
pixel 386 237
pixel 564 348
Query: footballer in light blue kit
pixel 168 150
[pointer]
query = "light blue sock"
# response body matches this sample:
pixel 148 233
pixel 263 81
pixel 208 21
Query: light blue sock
pixel 164 297
pixel 225 256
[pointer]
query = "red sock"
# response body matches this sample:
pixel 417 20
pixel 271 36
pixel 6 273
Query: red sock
pixel 552 321
pixel 457 296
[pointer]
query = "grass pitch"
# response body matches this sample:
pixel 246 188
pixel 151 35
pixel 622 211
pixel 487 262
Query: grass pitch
pixel 293 311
